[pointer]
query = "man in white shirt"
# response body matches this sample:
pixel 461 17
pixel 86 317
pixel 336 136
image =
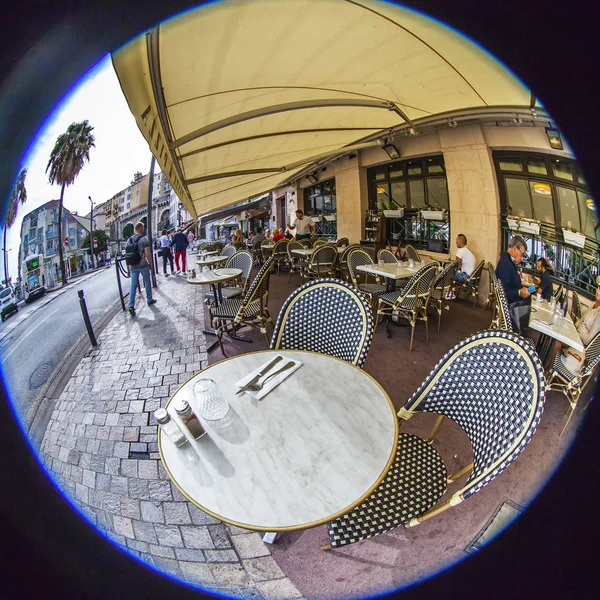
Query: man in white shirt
pixel 304 226
pixel 465 259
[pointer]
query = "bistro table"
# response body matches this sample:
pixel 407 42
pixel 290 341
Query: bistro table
pixel 392 272
pixel 208 252
pixel 310 451
pixel 540 319
pixel 307 252
pixel 211 261
pixel 215 278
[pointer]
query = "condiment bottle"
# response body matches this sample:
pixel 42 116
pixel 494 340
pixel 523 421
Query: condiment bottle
pixel 170 427
pixel 188 418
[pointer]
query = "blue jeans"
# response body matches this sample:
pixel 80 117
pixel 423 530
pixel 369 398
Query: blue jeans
pixel 135 278
pixel 460 276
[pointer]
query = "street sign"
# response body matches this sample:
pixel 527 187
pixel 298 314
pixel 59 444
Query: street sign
pixel 66 241
pixel 95 242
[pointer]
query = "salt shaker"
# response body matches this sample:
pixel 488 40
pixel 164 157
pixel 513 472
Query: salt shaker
pixel 188 418
pixel 170 428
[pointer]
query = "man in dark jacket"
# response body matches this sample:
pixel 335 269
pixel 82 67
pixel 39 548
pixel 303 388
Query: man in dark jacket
pixel 516 294
pixel 180 242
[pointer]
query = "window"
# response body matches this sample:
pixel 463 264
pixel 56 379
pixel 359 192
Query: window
pixel 319 199
pixel 33 223
pixel 40 234
pixel 553 191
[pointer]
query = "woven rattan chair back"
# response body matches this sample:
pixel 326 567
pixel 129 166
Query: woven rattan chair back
pixel 241 260
pixel 443 279
pixel 280 254
pixel 356 258
pixel 417 290
pixel 260 284
pixel 306 242
pixel 228 251
pixel 217 245
pixel 502 319
pixel 412 253
pixel 575 306
pixel 475 276
pixel 322 260
pixel 208 248
pixel 386 256
pixel 342 242
pixel 239 245
pixel 327 316
pixel 492 385
pixel 293 245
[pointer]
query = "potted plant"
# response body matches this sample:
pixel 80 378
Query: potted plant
pixel 433 215
pixel 573 238
pixel 523 225
pixel 398 213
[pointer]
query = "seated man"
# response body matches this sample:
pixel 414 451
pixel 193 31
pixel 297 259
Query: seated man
pixel 543 283
pixel 516 294
pixel 465 259
pixel 259 237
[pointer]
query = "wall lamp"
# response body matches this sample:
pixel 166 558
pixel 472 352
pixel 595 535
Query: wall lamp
pixel 391 150
pixel 312 177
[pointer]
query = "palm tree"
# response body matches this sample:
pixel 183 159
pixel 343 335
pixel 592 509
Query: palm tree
pixel 71 151
pixel 18 195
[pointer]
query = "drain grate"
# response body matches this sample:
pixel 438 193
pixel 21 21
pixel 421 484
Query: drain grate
pixel 40 375
pixel 503 516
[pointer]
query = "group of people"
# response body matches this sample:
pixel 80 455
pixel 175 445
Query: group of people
pixel 302 227
pixel 179 242
pixel 518 295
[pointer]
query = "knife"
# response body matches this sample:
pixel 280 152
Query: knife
pixel 261 374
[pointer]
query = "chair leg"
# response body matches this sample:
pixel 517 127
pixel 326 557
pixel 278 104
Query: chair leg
pixel 426 328
pixel 412 335
pixel 326 547
pixel 462 471
pixel 571 410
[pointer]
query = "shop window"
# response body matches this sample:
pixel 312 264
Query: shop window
pixel 437 193
pixel 519 202
pixel 435 165
pixel 569 211
pixel 396 170
pixel 562 170
pixel 414 168
pixel 543 206
pixel 510 164
pixel 399 194
pixel 417 193
pixel 537 166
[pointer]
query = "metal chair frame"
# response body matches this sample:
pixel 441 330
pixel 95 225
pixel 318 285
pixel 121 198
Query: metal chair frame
pixel 280 254
pixel 342 262
pixel 471 285
pixel 442 285
pixel 313 268
pixel 387 256
pixel 412 253
pixel 296 263
pixel 369 290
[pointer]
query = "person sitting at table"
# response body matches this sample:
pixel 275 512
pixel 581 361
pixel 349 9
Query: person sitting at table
pixel 543 283
pixel 268 235
pixel 237 237
pixel 587 327
pixel 251 238
pixel 277 235
pixel 465 259
pixel 517 296
pixel 259 237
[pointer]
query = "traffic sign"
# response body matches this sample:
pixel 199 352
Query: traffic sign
pixel 66 241
pixel 95 242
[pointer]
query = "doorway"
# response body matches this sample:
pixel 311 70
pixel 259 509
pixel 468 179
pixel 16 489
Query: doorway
pixel 282 212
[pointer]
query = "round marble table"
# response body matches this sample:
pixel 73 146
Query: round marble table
pixel 313 448
pixel 210 260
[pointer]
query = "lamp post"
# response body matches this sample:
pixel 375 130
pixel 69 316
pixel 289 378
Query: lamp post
pixel 6 278
pixel 179 207
pixel 91 230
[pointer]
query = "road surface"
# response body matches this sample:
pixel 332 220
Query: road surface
pixel 34 340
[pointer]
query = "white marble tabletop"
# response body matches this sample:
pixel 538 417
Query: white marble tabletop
pixel 214 276
pixel 311 450
pixel 540 319
pixel 389 270
pixel 309 251
pixel 268 245
pixel 208 252
pixel 211 260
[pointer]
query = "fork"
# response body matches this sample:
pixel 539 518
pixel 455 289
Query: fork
pixel 257 387
pixel 255 379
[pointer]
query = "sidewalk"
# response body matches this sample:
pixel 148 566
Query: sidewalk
pixel 101 448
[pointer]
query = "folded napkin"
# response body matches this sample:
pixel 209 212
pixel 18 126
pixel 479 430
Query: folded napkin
pixel 225 272
pixel 272 382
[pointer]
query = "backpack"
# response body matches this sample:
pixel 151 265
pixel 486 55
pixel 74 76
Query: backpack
pixel 132 250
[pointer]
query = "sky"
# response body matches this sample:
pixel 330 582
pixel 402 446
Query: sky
pixel 120 151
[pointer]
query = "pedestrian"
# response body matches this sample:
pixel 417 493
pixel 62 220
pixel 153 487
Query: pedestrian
pixel 191 237
pixel 138 257
pixel 165 251
pixel 180 242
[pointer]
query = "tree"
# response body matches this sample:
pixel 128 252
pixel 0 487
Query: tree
pixel 102 238
pixel 71 151
pixel 18 195
pixel 127 231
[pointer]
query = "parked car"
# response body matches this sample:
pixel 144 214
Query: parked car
pixel 8 302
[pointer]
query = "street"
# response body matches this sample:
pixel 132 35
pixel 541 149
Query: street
pixel 34 340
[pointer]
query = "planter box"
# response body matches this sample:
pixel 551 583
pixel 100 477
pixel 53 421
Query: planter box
pixel 574 238
pixel 523 225
pixel 330 217
pixel 433 215
pixel 398 214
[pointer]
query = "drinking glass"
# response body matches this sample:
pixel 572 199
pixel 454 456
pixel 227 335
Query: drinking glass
pixel 411 263
pixel 380 263
pixel 210 402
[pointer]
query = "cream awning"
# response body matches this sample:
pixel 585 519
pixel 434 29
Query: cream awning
pixel 237 97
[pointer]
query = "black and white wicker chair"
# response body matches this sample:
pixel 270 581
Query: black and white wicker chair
pixel 560 379
pixel 386 256
pixel 492 386
pixel 306 242
pixel 217 245
pixel 239 246
pixel 575 306
pixel 296 262
pixel 344 241
pixel 280 255
pixel 411 301
pixel 251 311
pixel 442 285
pixel 342 261
pixel 240 260
pixel 362 281
pixel 321 263
pixel 489 301
pixel 471 285
pixel 412 253
pixel 327 316
pixel 501 319
pixel 229 250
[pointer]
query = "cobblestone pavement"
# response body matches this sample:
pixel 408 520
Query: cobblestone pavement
pixel 101 448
